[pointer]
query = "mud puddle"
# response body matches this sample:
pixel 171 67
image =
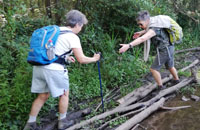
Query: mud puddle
pixel 182 119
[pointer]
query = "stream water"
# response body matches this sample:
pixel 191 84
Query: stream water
pixel 182 119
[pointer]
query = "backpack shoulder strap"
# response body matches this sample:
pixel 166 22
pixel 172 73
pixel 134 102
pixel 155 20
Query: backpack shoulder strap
pixel 61 58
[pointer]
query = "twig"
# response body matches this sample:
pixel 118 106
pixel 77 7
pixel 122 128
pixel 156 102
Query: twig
pixel 174 108
pixel 138 125
pixel 104 99
pixel 130 113
pixel 182 12
pixel 190 49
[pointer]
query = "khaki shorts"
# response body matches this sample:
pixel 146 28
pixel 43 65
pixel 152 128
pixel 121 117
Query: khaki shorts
pixel 45 80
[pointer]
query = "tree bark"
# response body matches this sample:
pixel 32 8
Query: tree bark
pixel 48 8
pixel 57 14
pixel 141 116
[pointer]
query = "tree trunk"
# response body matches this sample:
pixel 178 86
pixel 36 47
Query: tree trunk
pixel 141 116
pixel 48 8
pixel 58 13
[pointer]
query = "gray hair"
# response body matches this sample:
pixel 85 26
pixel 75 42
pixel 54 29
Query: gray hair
pixel 143 16
pixel 74 17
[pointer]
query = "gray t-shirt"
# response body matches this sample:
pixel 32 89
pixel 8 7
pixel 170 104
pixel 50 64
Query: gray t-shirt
pixel 161 40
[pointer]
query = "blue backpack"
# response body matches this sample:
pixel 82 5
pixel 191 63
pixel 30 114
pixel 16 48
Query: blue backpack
pixel 42 46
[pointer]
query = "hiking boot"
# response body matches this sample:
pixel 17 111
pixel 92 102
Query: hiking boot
pixel 30 126
pixel 64 123
pixel 174 82
pixel 161 87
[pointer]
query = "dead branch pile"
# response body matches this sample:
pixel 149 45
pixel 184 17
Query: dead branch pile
pixel 130 105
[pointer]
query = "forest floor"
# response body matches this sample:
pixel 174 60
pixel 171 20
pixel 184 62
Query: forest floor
pixel 184 119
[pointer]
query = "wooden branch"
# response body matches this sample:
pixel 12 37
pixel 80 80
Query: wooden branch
pixel 191 65
pixel 138 125
pixel 141 116
pixel 140 89
pixel 116 94
pixel 143 91
pixel 127 114
pixel 190 49
pixel 106 114
pixel 134 106
pixel 184 13
pixel 171 89
pixel 137 118
pixel 174 108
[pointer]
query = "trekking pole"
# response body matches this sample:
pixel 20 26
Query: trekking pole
pixel 98 63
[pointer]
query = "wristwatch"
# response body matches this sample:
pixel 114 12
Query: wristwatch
pixel 130 46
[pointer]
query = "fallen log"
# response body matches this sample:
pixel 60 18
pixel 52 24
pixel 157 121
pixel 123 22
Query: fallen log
pixel 114 119
pixel 141 92
pixel 106 114
pixel 134 106
pixel 141 116
pixel 123 99
pixel 190 49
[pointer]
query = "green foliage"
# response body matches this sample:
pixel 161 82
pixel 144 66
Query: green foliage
pixel 188 90
pixel 117 122
pixel 186 73
pixel 111 22
pixel 15 72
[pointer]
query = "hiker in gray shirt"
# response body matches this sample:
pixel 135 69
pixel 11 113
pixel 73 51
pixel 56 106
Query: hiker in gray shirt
pixel 160 38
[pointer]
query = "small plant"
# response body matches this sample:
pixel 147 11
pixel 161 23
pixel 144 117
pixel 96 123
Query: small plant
pixel 188 90
pixel 117 122
pixel 185 73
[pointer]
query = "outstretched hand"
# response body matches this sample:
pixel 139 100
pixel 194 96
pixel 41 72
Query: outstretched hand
pixel 124 48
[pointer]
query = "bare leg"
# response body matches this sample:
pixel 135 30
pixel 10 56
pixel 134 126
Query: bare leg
pixel 38 103
pixel 157 76
pixel 174 73
pixel 63 102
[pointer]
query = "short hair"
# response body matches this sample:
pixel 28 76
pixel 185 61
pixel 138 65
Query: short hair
pixel 143 16
pixel 74 17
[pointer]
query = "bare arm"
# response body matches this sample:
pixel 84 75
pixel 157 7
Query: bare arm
pixel 137 41
pixel 81 58
pixel 138 34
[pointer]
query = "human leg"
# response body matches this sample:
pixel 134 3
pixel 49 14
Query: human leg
pixel 63 122
pixel 38 103
pixel 157 76
pixel 36 106
pixel 63 102
pixel 174 73
pixel 170 65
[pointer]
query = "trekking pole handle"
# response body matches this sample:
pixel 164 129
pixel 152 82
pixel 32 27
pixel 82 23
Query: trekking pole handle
pixel 100 55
